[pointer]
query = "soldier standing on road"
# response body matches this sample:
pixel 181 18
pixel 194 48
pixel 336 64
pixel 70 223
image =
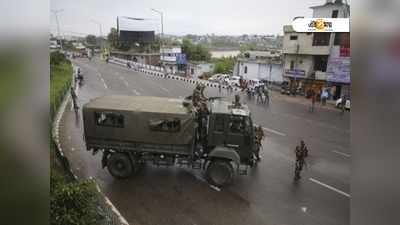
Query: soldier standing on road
pixel 74 98
pixel 266 94
pixel 259 94
pixel 259 133
pixel 313 99
pixel 301 153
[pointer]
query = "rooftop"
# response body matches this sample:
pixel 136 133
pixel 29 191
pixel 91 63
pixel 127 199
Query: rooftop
pixel 139 104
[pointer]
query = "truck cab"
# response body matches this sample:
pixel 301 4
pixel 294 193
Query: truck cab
pixel 232 128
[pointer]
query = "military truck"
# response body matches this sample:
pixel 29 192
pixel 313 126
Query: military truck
pixel 133 130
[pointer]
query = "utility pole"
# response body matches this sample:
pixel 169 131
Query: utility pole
pixel 100 33
pixel 58 23
pixel 161 37
pixel 295 68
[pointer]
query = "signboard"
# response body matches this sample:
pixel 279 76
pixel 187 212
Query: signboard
pixel 181 58
pixel 295 73
pixel 338 68
pixel 136 36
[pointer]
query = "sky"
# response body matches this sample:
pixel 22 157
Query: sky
pixel 181 17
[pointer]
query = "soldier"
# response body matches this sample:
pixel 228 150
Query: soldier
pixel 74 97
pixel 259 135
pixel 196 96
pixel 301 153
pixel 266 94
pixel 236 103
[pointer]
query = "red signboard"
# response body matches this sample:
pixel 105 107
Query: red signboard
pixel 344 51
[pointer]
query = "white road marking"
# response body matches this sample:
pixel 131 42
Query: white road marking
pixel 274 131
pixel 342 153
pixel 215 188
pixel 104 83
pixel 330 187
pixel 166 90
pixel 136 92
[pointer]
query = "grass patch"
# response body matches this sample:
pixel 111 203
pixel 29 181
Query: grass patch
pixel 60 81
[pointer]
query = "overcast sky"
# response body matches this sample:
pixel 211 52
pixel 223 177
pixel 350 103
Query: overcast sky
pixel 221 17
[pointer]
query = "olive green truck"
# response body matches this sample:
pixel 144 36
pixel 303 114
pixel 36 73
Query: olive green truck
pixel 133 130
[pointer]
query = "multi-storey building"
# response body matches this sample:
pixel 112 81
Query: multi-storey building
pixel 320 59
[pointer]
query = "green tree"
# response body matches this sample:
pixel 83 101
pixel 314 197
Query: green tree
pixel 224 65
pixel 91 39
pixel 195 52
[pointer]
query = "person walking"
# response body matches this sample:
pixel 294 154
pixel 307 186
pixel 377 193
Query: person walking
pixel 266 95
pixel 74 99
pixel 301 153
pixel 219 87
pixel 313 99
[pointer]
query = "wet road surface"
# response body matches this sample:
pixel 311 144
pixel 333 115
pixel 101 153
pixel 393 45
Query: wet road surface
pixel 267 195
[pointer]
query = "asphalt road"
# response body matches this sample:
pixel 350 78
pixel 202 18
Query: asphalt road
pixel 267 195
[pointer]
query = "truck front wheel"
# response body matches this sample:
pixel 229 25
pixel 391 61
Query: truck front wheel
pixel 219 173
pixel 119 165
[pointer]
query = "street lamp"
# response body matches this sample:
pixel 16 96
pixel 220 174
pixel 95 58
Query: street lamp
pixel 100 33
pixel 58 23
pixel 161 36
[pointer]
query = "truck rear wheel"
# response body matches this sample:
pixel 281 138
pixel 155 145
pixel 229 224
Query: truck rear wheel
pixel 219 173
pixel 120 166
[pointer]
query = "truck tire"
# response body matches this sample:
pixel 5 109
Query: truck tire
pixel 120 166
pixel 219 173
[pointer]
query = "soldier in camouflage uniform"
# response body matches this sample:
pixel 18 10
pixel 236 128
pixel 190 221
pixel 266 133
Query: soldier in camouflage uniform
pixel 236 103
pixel 259 135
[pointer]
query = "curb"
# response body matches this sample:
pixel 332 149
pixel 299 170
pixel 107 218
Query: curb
pixel 56 138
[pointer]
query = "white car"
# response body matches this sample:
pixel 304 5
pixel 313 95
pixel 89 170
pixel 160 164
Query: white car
pixel 339 104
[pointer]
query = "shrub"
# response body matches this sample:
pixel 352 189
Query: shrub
pixel 72 203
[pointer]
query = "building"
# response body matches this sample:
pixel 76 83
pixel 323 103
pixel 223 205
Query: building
pixel 197 69
pixel 144 58
pixel 317 60
pixel 257 65
pixel 173 60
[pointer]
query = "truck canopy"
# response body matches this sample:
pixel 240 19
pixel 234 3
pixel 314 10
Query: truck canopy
pixel 138 119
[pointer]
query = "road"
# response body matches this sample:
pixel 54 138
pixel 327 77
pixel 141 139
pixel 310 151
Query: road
pixel 267 195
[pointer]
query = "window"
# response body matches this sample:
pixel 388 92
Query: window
pixel 335 13
pixel 342 39
pixel 237 124
pixel 245 69
pixel 165 125
pixel 320 63
pixel 219 123
pixel 291 65
pixel 293 37
pixel 109 119
pixel 321 39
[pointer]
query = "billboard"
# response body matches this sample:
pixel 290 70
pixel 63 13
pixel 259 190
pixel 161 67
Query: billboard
pixel 144 37
pixel 181 58
pixel 338 68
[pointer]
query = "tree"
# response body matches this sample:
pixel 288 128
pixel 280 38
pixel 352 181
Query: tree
pixel 91 39
pixel 112 38
pixel 224 65
pixel 195 52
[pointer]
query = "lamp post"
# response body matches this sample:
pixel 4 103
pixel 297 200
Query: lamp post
pixel 161 36
pixel 58 23
pixel 100 34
